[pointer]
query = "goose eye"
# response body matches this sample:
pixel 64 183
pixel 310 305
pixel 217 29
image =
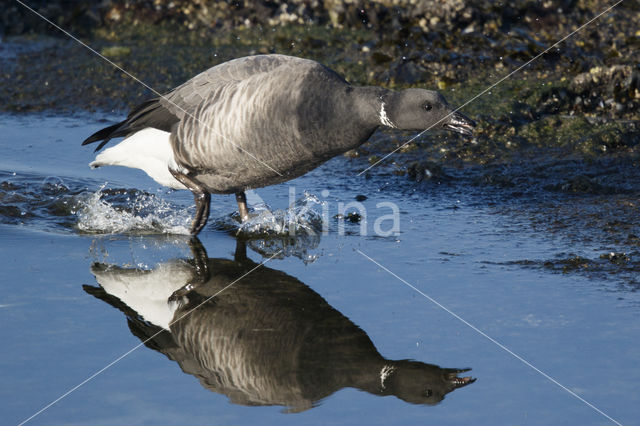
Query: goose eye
pixel 428 106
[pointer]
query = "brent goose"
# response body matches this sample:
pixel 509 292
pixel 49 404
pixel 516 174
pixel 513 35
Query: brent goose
pixel 257 121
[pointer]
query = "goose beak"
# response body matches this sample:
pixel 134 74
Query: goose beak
pixel 460 123
pixel 459 382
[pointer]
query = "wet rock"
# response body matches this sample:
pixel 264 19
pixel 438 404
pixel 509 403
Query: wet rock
pixel 617 258
pixel 374 159
pixel 380 58
pixel 615 89
pixel 425 170
pixel 53 186
pixel 9 214
pixel 614 264
pixel 351 217
pixel 73 15
pixel 570 264
pixel 633 239
pixel 496 179
pixel 579 184
pixel 407 73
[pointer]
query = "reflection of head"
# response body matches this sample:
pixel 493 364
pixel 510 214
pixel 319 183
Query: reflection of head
pixel 420 383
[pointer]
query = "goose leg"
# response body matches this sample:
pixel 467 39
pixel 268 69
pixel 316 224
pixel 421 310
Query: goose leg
pixel 241 251
pixel 203 203
pixel 241 198
pixel 201 270
pixel 202 199
pixel 200 260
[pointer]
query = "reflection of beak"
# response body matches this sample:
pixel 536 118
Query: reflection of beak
pixel 458 382
pixel 460 123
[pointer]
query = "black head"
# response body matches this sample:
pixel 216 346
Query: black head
pixel 419 383
pixel 420 109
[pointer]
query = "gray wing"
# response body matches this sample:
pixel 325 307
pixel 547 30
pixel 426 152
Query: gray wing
pixel 185 98
pixel 165 111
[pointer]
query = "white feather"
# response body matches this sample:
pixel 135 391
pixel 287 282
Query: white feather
pixel 146 291
pixel 149 150
pixel 384 118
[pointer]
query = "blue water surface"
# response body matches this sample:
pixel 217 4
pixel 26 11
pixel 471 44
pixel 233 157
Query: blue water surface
pixel 455 250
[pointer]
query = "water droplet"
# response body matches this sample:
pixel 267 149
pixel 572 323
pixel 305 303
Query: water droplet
pixel 53 185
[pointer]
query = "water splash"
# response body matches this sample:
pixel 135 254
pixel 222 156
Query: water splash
pixel 52 203
pixel 55 204
pixel 300 218
pixel 292 232
pixel 117 211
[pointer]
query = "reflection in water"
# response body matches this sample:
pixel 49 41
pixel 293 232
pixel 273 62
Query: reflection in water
pixel 268 339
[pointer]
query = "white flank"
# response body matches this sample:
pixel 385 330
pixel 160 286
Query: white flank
pixel 384 118
pixel 149 150
pixel 146 291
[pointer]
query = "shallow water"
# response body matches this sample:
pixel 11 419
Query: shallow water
pixel 67 231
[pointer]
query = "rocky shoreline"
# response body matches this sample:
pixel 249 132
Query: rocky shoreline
pixel 582 97
pixel 566 125
pixel 389 42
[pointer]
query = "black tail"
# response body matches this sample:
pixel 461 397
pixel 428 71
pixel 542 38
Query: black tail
pixel 148 114
pixel 104 135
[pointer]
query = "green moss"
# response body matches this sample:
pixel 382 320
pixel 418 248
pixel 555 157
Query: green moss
pixel 115 52
pixel 578 134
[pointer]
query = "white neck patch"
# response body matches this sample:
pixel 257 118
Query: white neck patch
pixel 384 373
pixel 384 118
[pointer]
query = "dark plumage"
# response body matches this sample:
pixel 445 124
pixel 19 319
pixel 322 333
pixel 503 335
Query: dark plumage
pixel 267 340
pixel 258 121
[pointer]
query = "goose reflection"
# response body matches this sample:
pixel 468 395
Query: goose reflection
pixel 268 339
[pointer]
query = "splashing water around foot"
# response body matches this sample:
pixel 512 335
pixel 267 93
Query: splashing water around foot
pixel 114 211
pixel 299 219
pixel 54 204
pixel 292 232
